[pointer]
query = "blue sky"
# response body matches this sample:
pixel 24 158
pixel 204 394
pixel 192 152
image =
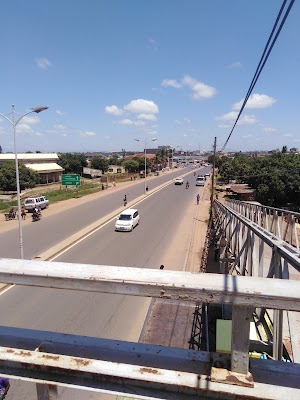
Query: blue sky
pixel 112 71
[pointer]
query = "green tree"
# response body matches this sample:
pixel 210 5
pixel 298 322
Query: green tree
pixel 27 177
pixel 72 162
pixel 275 177
pixel 131 165
pixel 114 161
pixel 284 149
pixel 100 163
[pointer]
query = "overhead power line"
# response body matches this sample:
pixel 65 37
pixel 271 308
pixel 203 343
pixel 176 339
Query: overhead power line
pixel 267 50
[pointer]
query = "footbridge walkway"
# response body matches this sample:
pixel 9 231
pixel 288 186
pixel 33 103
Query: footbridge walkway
pixel 258 251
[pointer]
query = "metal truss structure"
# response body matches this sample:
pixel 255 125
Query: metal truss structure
pixel 147 371
pixel 263 242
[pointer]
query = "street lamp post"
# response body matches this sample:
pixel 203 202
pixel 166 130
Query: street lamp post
pixel 14 124
pixel 172 149
pixel 145 151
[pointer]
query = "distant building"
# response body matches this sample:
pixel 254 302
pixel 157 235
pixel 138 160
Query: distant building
pixel 45 164
pixel 116 169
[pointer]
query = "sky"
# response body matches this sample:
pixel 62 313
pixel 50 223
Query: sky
pixel 113 71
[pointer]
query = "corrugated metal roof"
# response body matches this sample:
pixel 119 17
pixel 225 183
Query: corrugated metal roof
pixel 45 167
pixel 29 156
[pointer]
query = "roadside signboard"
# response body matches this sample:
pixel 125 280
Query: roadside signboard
pixel 70 179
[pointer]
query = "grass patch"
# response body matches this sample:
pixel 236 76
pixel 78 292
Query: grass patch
pixel 57 195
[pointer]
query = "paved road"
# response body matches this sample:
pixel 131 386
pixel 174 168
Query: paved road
pixel 101 315
pixel 38 237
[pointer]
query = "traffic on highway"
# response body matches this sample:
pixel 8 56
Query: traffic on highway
pixel 162 219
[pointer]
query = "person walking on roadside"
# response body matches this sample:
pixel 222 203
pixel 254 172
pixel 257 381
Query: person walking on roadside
pixel 198 198
pixel 23 213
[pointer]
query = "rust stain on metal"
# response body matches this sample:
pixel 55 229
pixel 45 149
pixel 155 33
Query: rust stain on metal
pixel 82 362
pixel 149 371
pixel 232 379
pixel 51 357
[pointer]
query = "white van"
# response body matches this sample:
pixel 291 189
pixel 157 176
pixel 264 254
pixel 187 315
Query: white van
pixel 32 202
pixel 127 220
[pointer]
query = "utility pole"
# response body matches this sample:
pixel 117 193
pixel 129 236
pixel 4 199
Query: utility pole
pixel 213 178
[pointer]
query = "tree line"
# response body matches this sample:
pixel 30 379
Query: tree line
pixel 276 178
pixel 73 163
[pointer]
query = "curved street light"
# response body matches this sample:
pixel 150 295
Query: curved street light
pixel 14 122
pixel 145 151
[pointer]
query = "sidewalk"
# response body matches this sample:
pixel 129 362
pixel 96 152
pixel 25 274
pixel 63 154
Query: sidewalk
pixel 169 323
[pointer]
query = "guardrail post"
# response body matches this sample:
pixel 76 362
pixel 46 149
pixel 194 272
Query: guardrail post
pixel 46 392
pixel 241 318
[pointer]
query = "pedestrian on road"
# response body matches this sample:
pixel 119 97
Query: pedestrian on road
pixel 114 184
pixel 102 186
pixel 125 200
pixel 23 213
pixel 198 198
pixel 146 188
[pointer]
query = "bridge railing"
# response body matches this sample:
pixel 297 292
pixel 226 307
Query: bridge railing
pixel 250 248
pixel 282 223
pixel 51 359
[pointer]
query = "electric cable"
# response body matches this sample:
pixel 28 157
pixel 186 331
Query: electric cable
pixel 262 61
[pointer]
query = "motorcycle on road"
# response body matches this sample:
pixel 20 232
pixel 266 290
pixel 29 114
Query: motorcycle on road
pixel 36 216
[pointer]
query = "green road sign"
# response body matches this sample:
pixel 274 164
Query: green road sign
pixel 70 179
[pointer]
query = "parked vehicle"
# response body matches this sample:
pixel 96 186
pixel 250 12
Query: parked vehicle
pixel 32 202
pixel 178 181
pixel 127 220
pixel 11 215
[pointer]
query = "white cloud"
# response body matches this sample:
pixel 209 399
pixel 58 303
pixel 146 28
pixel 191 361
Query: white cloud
pixel 24 128
pixel 270 130
pixel 87 134
pixel 148 117
pixel 288 135
pixel 247 120
pixel 232 115
pixel 30 120
pixel 39 134
pixel 58 112
pixel 59 127
pixel 171 83
pixel 256 101
pixel 200 89
pixel 142 106
pixel 183 121
pixel 222 126
pixel 235 64
pixel 43 63
pixel 247 136
pixel 64 134
pixel 154 44
pixel 114 110
pixel 128 121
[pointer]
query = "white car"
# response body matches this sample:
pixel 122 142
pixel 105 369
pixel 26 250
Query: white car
pixel 178 181
pixel 127 220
